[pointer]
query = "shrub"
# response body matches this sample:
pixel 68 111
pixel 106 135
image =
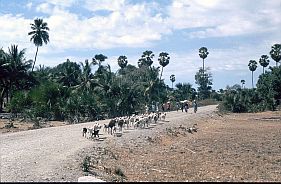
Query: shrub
pixel 86 164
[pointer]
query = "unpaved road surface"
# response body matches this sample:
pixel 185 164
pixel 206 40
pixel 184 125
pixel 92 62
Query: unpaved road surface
pixel 225 148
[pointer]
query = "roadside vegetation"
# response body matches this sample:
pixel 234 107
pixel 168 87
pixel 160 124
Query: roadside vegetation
pixel 89 90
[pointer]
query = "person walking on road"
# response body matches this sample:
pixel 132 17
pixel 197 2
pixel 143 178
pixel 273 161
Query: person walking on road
pixel 195 106
pixel 186 107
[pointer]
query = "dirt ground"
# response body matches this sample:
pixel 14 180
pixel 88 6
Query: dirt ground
pixel 229 147
pixel 234 147
pixel 23 126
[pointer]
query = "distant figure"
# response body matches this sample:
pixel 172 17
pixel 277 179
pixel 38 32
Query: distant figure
pixel 157 106
pixel 186 107
pixel 195 106
pixel 146 109
pixel 163 107
pixel 169 107
pixel 178 106
pixel 182 107
pixel 153 108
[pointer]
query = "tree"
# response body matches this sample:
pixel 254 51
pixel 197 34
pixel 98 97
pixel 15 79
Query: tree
pixel 184 91
pixel 242 83
pixel 275 53
pixel 67 73
pixel 204 81
pixel 269 87
pixel 146 59
pixel 122 61
pixel 163 59
pixel 87 82
pixel 264 62
pixel 252 67
pixel 39 34
pixel 173 79
pixel 4 64
pixel 203 53
pixel 98 59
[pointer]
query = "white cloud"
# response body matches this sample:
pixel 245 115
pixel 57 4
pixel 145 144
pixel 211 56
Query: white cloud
pixel 112 5
pixel 221 18
pixel 44 8
pixel 29 5
pixel 14 30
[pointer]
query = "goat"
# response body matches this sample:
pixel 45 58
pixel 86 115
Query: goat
pixel 120 123
pixel 163 116
pixel 84 132
pixel 110 125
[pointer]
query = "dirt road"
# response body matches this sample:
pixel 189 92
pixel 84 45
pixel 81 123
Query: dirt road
pixel 47 154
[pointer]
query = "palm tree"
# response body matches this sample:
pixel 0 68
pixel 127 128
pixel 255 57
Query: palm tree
pixel 4 65
pixel 242 83
pixel 17 77
pixel 146 59
pixel 203 53
pixel 163 59
pixel 87 82
pixel 275 53
pixel 122 61
pixel 264 62
pixel 68 73
pixel 173 79
pixel 252 67
pixel 39 35
pixel 98 59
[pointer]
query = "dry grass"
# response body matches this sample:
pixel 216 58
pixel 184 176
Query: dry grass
pixel 236 147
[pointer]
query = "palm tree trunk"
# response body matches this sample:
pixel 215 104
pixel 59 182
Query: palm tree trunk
pixel 161 73
pixel 35 59
pixel 252 79
pixel 263 70
pixel 203 68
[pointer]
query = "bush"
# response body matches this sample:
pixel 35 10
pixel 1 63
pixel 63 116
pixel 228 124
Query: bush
pixel 86 164
pixel 207 102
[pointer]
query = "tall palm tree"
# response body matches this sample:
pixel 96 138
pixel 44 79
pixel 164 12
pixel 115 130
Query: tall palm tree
pixel 39 34
pixel 146 59
pixel 242 83
pixel 122 61
pixel 164 60
pixel 275 53
pixel 252 67
pixel 172 79
pixel 264 62
pixel 203 53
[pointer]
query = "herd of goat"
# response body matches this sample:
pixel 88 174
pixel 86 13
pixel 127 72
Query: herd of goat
pixel 135 121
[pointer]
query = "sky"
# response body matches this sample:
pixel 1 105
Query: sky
pixel 233 31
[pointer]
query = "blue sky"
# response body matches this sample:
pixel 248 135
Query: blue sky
pixel 233 31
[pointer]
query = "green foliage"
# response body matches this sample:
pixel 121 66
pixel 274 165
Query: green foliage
pixel 206 102
pixel 266 96
pixel 86 164
pixel 269 87
pixel 275 53
pixel 118 171
pixel 184 91
pixel 204 81
pixel 20 102
pixel 122 61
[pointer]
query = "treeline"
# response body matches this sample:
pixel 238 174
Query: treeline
pixel 74 92
pixel 266 95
